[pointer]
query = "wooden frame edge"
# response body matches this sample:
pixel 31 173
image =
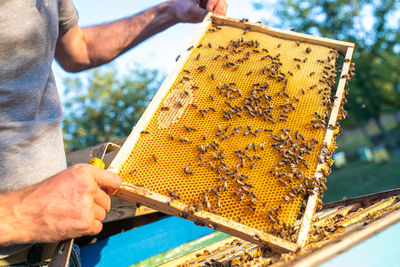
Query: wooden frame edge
pixel 364 198
pixel 341 46
pixel 203 218
pixel 312 201
pixel 306 221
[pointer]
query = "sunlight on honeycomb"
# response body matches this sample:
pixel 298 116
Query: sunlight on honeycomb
pixel 157 162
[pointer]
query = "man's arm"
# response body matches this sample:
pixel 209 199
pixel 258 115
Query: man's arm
pixel 72 203
pixel 80 49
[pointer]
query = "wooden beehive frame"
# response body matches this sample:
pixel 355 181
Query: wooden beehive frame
pixel 176 208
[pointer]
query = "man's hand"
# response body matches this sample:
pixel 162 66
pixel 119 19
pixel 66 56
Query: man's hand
pixel 72 203
pixel 195 10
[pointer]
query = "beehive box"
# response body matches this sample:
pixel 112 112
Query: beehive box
pixel 240 135
pixel 334 231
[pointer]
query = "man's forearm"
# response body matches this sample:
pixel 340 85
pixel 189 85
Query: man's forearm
pixel 107 41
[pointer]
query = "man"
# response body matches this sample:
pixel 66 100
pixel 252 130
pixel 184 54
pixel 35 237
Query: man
pixel 72 202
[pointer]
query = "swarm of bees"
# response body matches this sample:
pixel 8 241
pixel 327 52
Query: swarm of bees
pixel 257 111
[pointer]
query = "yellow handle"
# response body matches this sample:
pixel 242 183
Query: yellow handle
pixel 97 162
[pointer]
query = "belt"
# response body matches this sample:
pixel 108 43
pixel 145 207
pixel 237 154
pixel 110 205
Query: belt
pixel 37 255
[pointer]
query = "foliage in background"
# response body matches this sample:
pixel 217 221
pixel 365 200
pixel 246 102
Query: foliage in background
pixel 374 26
pixel 105 106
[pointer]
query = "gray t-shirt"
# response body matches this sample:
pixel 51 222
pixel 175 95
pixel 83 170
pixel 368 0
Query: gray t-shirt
pixel 31 146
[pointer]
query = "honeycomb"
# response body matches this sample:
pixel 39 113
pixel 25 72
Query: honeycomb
pixel 241 130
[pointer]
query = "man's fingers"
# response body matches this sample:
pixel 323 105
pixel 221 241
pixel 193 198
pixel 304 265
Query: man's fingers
pixel 109 181
pixel 99 213
pixel 211 5
pixel 221 8
pixel 102 199
pixel 97 226
pixel 218 6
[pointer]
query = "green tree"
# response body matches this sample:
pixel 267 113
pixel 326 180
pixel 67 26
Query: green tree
pixel 374 27
pixel 104 106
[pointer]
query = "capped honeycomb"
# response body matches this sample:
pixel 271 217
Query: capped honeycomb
pixel 240 131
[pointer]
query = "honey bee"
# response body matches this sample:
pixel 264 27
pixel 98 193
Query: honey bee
pixel 271 218
pixel 215 192
pixel 237 192
pixel 283 182
pixel 253 200
pixel 225 186
pixel 288 199
pixel 186 170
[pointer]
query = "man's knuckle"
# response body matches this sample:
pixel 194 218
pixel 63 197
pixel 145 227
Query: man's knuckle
pixel 84 225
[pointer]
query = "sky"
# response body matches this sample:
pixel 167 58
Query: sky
pixel 158 52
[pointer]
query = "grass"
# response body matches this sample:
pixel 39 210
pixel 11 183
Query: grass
pixel 360 178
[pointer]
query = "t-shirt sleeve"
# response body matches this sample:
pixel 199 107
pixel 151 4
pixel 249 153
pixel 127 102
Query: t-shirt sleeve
pixel 67 15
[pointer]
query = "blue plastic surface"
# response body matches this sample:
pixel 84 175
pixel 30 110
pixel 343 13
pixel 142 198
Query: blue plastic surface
pixel 141 243
pixel 380 250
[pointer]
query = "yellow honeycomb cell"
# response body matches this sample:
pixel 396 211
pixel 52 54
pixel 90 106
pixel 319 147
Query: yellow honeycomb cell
pixel 241 94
